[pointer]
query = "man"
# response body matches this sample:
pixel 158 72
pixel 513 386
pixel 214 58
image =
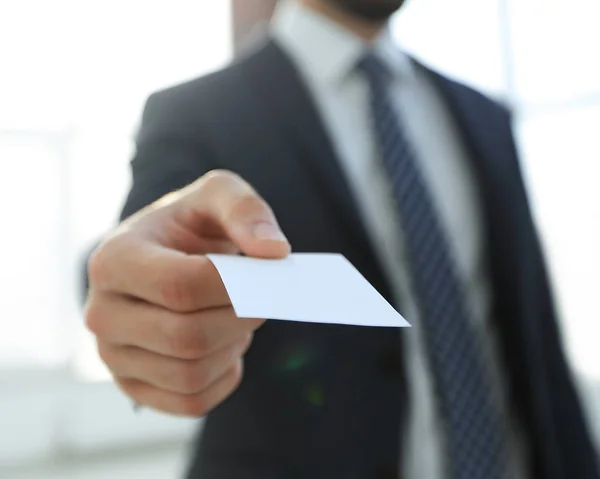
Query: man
pixel 329 138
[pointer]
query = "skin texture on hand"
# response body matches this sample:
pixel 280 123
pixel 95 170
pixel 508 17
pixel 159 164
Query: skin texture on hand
pixel 162 318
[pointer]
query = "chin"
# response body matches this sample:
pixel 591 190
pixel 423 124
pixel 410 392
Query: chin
pixel 373 10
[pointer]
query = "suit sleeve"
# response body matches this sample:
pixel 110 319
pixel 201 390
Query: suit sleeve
pixel 170 151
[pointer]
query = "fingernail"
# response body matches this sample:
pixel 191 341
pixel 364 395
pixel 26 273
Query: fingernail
pixel 267 231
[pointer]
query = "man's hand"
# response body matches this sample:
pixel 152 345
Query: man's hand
pixel 163 320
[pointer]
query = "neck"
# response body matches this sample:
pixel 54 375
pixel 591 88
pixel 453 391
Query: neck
pixel 364 29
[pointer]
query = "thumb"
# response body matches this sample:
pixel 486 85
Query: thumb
pixel 253 228
pixel 245 217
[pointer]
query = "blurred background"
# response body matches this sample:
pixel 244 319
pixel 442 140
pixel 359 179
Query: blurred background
pixel 74 75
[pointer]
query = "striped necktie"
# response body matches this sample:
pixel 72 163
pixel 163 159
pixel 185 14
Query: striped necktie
pixel 476 437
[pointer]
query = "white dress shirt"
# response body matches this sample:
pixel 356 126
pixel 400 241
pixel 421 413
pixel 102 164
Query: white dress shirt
pixel 326 54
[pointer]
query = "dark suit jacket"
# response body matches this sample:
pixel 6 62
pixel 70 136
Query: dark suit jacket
pixel 327 401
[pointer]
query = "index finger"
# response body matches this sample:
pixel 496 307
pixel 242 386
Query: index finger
pixel 169 278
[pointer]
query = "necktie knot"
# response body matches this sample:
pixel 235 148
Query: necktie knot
pixel 375 69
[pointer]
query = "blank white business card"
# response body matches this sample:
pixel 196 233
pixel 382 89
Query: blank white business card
pixel 308 287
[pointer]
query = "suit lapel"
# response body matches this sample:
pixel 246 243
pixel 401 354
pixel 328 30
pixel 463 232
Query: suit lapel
pixel 293 110
pixel 478 125
pixel 486 132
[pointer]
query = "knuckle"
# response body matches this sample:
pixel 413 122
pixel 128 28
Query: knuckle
pixel 237 374
pixel 96 267
pixel 219 178
pixel 247 342
pixel 94 316
pixel 183 340
pixel 249 204
pixel 129 388
pixel 200 404
pixel 106 355
pixel 191 378
pixel 195 406
pixel 215 181
pixel 178 291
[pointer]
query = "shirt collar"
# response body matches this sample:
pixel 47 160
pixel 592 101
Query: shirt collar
pixel 325 51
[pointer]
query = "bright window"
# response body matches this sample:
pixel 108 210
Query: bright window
pixel 75 75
